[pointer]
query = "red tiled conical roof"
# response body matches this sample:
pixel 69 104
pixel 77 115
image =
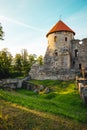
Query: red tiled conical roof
pixel 60 26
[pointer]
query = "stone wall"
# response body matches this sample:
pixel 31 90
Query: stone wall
pixel 42 73
pixel 12 83
pixel 81 58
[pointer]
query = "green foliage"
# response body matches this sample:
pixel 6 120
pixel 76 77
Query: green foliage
pixel 20 65
pixel 50 95
pixel 32 59
pixel 23 62
pixel 40 60
pixel 1 32
pixel 5 63
pixel 63 100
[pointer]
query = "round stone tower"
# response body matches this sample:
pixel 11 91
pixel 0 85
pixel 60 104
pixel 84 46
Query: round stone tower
pixel 58 51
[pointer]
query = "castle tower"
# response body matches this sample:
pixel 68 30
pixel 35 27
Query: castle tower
pixel 65 56
pixel 59 55
pixel 58 51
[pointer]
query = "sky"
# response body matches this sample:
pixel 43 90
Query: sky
pixel 26 22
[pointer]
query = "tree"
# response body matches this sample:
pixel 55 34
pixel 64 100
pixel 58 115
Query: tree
pixel 1 32
pixel 24 54
pixel 25 62
pixel 32 59
pixel 40 60
pixel 5 63
pixel 18 63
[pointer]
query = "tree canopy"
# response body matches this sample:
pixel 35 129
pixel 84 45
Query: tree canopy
pixel 19 65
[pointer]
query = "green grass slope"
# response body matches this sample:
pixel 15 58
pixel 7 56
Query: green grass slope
pixel 63 100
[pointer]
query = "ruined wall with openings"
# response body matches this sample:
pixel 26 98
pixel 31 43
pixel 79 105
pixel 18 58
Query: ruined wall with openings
pixel 79 54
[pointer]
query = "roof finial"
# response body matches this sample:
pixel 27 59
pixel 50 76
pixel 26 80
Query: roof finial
pixel 60 16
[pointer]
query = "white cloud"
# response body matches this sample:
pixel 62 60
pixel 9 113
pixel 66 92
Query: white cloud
pixel 6 19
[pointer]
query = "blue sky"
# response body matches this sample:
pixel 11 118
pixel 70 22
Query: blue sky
pixel 26 22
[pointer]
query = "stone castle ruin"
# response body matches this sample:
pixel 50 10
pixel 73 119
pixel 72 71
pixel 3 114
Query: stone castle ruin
pixel 65 56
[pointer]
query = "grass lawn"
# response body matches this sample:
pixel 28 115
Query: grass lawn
pixel 61 109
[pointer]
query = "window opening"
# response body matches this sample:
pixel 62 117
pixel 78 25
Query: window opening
pixel 56 53
pixel 76 53
pixel 80 66
pixel 73 63
pixel 55 38
pixel 65 38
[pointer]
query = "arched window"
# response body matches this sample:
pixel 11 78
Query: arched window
pixel 55 38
